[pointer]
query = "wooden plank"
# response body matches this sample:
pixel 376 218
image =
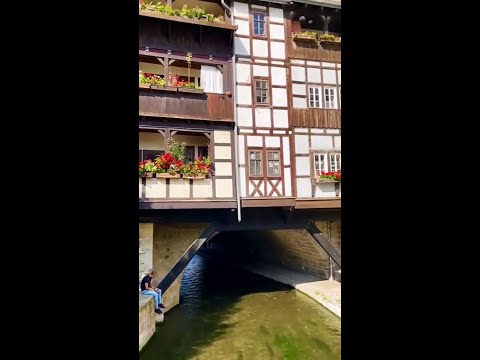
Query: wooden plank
pixel 268 202
pixel 187 204
pixel 318 203
pixel 157 15
pixel 316 118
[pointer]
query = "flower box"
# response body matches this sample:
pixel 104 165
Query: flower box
pixel 330 42
pixel 167 176
pixel 301 37
pixel 194 177
pixel 190 90
pixel 144 86
pixel 164 88
pixel 147 174
pixel 323 181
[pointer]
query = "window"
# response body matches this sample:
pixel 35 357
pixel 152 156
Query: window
pixel 255 163
pixel 326 162
pixel 335 162
pixel 273 165
pixel 319 163
pixel 329 98
pixel 259 24
pixel 203 151
pixel 189 154
pixel 261 91
pixel 149 154
pixel 314 97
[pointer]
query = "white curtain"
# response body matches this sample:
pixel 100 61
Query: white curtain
pixel 211 79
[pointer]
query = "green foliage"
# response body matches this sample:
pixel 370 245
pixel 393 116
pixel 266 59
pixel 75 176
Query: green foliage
pixel 193 13
pixel 176 149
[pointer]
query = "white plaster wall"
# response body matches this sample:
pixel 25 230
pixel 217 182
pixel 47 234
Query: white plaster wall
pixel 224 188
pixel 244 95
pixel 301 144
pixel 298 73
pixel 202 188
pixel 243 186
pixel 276 14
pixel 338 142
pixel 277 50
pixel 259 70
pixel 240 9
pixel 304 188
pixel 221 137
pixel 280 118
pixel 303 165
pixel 242 72
pixel 279 97
pixel 244 117
pixel 260 48
pixel 299 89
pixel 241 149
pixel 322 142
pixel 288 181
pixel 254 141
pixel 328 64
pixel 286 150
pixel 313 63
pixel 272 141
pixel 279 76
pixel 277 32
pixel 243 27
pixel 299 102
pixel 262 117
pixel 339 72
pixel 155 188
pixel 313 75
pixel 223 168
pixel 329 76
pixel 296 61
pixel 179 188
pixel 326 190
pixel 223 152
pixel 242 46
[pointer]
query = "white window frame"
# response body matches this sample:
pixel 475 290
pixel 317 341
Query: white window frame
pixel 327 161
pixel 329 104
pixel 264 22
pixel 311 92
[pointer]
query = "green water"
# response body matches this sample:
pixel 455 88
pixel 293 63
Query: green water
pixel 231 314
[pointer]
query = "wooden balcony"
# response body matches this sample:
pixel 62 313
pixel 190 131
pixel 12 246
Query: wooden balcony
pixel 184 105
pixel 314 50
pixel 316 118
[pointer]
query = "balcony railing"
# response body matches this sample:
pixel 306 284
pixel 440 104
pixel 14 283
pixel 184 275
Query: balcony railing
pixel 314 50
pixel 185 105
pixel 317 118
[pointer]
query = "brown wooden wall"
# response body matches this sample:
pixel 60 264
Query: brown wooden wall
pixel 185 105
pixel 309 50
pixel 182 37
pixel 316 118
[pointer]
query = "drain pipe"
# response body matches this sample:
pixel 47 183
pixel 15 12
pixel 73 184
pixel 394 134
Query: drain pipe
pixel 235 131
pixel 229 11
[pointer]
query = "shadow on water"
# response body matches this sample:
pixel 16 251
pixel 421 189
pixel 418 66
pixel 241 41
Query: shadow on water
pixel 208 297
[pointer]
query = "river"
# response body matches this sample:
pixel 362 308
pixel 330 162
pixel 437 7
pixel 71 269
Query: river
pixel 230 314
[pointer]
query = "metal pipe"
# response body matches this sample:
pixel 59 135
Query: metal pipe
pixel 229 11
pixel 235 131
